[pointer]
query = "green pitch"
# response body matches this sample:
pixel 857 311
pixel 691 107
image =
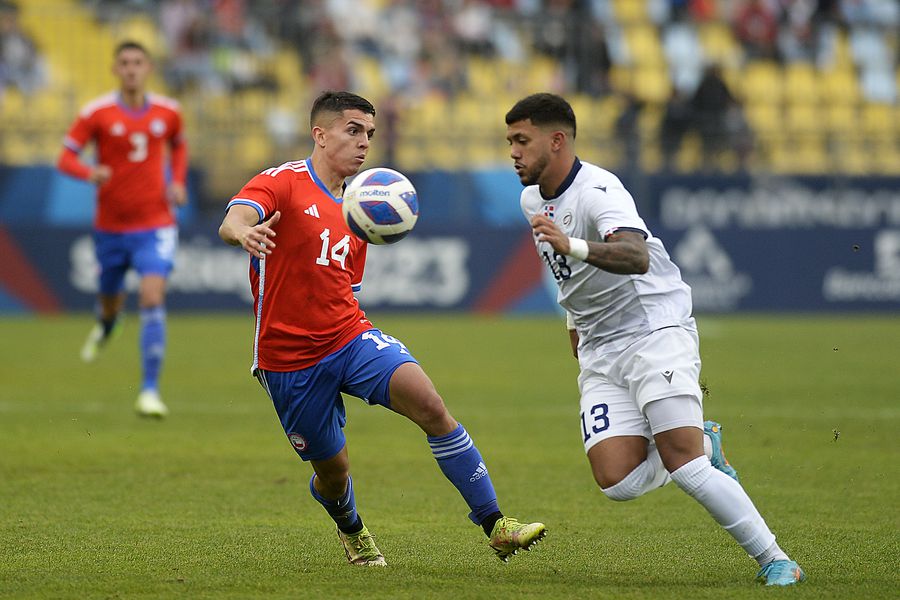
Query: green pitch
pixel 212 502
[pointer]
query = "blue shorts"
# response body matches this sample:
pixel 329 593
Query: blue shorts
pixel 309 403
pixel 150 252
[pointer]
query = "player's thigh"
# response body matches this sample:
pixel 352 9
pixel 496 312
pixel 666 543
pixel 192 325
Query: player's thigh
pixel 664 364
pixel 113 259
pixel 310 408
pixel 153 252
pixel 372 358
pixel 614 431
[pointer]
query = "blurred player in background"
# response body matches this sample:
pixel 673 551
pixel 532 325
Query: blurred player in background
pixel 135 221
pixel 313 341
pixel 630 324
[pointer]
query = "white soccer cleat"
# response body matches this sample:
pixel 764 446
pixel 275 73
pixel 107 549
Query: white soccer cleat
pixel 92 344
pixel 149 404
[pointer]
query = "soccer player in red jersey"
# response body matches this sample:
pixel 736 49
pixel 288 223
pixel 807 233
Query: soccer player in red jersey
pixel 312 341
pixel 135 225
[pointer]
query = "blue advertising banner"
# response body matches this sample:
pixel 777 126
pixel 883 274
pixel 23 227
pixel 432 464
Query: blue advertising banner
pixel 742 244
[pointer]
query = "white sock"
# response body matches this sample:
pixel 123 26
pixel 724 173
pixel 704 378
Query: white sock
pixel 728 504
pixel 645 477
pixel 772 554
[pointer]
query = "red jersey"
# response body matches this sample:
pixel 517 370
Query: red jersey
pixel 133 144
pixel 303 291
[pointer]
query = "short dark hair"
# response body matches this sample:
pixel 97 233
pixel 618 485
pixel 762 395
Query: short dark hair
pixel 338 102
pixel 130 45
pixel 543 109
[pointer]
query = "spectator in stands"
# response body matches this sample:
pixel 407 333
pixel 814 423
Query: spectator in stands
pixel 676 122
pixel 756 26
pixel 473 25
pixel 718 117
pixel 21 66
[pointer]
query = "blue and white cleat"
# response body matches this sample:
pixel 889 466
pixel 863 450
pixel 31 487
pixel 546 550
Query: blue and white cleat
pixel 781 572
pixel 714 432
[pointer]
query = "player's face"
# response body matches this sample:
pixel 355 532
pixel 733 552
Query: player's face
pixel 346 141
pixel 132 67
pixel 529 147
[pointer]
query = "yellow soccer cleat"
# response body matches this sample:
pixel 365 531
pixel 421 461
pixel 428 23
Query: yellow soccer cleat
pixel 509 536
pixel 361 550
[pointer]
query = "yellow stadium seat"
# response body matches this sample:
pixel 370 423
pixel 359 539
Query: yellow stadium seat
pixel 651 84
pixel 643 45
pixel 878 120
pixel 719 44
pixel 630 11
pixel 839 86
pixel 762 82
pixel 764 118
pixel 842 120
pixel 803 118
pixel 801 83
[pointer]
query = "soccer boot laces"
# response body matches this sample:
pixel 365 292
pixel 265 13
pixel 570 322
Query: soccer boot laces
pixel 360 548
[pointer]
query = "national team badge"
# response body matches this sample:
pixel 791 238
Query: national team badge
pixel 118 129
pixel 549 210
pixel 157 127
pixel 297 441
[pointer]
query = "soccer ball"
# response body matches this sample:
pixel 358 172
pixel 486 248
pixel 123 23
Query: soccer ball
pixel 380 206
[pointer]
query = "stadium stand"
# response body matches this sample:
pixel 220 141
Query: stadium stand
pixel 822 98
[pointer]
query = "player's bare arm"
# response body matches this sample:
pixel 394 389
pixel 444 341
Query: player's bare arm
pixel 239 228
pixel 573 339
pixel 623 252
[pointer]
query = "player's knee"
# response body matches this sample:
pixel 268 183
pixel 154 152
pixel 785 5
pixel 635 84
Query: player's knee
pixel 431 411
pixel 621 492
pixel 333 483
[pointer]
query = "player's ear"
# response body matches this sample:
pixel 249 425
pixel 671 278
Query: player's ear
pixel 318 134
pixel 557 140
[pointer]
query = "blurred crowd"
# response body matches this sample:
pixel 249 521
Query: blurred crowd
pixel 21 65
pixel 423 48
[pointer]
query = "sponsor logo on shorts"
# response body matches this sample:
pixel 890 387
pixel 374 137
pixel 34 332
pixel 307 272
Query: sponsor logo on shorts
pixel 667 375
pixel 297 441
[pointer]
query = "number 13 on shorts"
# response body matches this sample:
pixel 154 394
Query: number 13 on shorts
pixel 595 420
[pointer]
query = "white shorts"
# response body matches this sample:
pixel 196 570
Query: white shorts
pixel 616 388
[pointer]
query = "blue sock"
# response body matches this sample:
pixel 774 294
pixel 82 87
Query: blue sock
pixel 153 344
pixel 342 510
pixel 461 463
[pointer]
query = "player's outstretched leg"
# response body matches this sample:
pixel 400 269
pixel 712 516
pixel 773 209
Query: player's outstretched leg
pixel 461 462
pixel 359 543
pixel 153 345
pixel 713 433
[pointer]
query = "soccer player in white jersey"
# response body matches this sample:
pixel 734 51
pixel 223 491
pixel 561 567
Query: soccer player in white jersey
pixel 629 320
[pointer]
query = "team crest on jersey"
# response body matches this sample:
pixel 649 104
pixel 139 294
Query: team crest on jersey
pixel 297 441
pixel 157 127
pixel 117 129
pixel 549 210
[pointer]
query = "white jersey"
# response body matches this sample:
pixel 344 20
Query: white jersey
pixel 610 311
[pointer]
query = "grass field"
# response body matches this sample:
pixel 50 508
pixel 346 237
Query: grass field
pixel 212 502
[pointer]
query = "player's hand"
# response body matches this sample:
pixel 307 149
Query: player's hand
pixel 256 239
pixel 100 174
pixel 546 230
pixel 177 194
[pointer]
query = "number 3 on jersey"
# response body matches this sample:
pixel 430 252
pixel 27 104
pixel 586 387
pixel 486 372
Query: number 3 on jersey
pixel 338 252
